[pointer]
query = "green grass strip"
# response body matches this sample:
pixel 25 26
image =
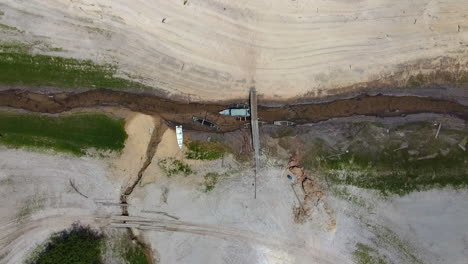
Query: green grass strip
pixel 366 255
pixel 374 161
pixel 19 67
pixel 198 150
pixel 71 133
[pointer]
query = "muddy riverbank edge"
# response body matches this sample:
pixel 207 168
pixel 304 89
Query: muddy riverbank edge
pixel 177 112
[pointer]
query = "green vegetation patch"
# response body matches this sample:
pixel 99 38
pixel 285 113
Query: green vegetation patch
pixel 171 166
pixel 366 255
pixel 68 133
pixel 18 66
pixel 211 179
pixel 10 28
pixel 77 245
pixel 386 238
pixel 199 150
pixel 135 254
pixel 406 159
pixel 15 47
pixel 123 248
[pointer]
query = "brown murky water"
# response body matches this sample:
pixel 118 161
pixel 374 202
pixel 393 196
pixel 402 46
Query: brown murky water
pixel 182 113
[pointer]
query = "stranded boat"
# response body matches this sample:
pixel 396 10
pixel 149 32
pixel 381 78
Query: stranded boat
pixel 238 110
pixel 205 122
pixel 180 136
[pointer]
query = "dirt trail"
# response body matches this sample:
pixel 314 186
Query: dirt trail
pixel 225 232
pixel 182 113
pixel 13 238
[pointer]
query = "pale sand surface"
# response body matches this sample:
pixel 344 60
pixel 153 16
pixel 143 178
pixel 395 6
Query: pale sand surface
pixel 139 128
pixel 215 50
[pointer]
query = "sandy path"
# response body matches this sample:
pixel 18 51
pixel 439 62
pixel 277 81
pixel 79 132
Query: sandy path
pixel 269 240
pixel 38 199
pixel 212 49
pixel 18 239
pixel 139 128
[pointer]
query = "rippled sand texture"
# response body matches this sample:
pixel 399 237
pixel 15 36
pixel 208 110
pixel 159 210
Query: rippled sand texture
pixel 217 49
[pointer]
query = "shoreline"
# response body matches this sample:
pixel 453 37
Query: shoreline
pixel 175 112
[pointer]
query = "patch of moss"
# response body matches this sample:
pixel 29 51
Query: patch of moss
pixel 199 150
pixel 69 133
pixel 171 166
pixel 367 255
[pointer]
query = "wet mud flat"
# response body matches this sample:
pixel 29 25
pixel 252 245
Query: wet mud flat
pixel 182 113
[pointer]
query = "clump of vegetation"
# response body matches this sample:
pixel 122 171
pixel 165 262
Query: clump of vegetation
pixel 10 28
pixel 198 150
pixel 211 179
pixel 172 166
pixel 69 133
pixel 366 255
pixel 122 248
pixel 380 162
pixel 15 47
pixel 79 244
pixel 135 254
pixel 19 66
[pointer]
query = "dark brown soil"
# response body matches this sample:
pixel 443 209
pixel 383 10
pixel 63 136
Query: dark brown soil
pixel 182 113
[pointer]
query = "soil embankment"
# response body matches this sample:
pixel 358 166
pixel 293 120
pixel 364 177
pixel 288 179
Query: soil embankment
pixel 182 113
